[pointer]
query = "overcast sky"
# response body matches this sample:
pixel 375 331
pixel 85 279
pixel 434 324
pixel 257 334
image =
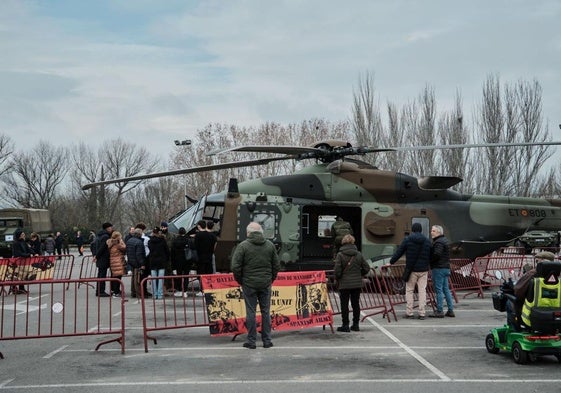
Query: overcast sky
pixel 153 71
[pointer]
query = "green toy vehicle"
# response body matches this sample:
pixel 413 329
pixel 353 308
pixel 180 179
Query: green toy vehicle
pixel 526 344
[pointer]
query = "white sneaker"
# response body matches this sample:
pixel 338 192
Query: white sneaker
pixel 129 273
pixel 199 294
pixel 178 294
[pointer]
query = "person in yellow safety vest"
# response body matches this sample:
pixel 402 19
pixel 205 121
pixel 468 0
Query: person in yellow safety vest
pixel 522 288
pixel 543 292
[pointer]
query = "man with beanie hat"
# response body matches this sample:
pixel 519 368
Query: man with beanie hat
pixel 101 257
pixel 416 248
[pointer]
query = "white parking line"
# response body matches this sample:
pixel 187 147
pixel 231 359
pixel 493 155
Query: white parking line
pixel 409 350
pixel 53 353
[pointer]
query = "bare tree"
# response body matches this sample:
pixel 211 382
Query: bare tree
pixel 366 119
pixel 514 118
pixel 34 177
pixel 424 134
pixel 114 159
pixel 451 130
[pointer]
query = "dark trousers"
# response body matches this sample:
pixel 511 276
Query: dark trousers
pixel 253 297
pixel 101 273
pixel 354 296
pixel 181 284
pixel 116 286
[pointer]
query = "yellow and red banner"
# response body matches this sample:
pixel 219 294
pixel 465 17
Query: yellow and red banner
pixel 298 300
pixel 27 269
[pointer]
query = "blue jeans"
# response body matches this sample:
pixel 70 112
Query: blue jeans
pixel 441 288
pixel 158 285
pixel 253 296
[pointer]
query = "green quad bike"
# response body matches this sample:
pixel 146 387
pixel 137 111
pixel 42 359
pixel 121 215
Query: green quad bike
pixel 526 344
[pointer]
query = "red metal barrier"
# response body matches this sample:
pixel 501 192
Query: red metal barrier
pixel 485 268
pixel 45 267
pixel 464 277
pixel 51 310
pixel 372 300
pixel 88 268
pixel 172 312
pixel 394 287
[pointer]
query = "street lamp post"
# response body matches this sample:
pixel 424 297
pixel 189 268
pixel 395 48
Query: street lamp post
pixel 184 142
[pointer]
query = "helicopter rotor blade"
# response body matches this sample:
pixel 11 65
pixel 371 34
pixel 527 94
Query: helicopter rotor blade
pixel 204 168
pixel 292 150
pixel 461 146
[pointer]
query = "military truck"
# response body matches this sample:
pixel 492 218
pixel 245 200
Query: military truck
pixel 30 220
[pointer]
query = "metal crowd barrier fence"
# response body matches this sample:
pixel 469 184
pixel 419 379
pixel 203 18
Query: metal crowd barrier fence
pixel 173 312
pixel 88 268
pixel 463 277
pixel 372 299
pixel 394 288
pixel 485 268
pixel 57 308
pixel 43 267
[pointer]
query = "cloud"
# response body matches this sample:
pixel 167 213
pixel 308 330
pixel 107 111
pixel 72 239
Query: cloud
pixel 156 72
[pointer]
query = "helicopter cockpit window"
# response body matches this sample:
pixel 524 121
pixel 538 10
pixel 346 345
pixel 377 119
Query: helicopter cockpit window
pixel 267 222
pixel 324 225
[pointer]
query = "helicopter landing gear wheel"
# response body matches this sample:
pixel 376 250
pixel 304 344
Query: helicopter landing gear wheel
pixel 520 356
pixel 490 344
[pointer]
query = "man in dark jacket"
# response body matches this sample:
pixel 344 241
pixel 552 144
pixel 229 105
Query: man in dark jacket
pixel 102 257
pixel 440 270
pixel 255 265
pixel 20 249
pixel 416 248
pixel 136 258
pixel 179 264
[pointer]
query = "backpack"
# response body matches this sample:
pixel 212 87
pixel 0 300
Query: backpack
pixel 190 252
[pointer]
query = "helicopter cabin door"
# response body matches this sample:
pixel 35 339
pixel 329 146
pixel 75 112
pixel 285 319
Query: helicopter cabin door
pixel 317 238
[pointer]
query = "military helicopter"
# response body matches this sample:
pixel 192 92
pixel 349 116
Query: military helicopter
pixel 298 210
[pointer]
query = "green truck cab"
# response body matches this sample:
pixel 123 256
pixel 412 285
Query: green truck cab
pixel 30 220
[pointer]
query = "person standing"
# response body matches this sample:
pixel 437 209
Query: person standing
pixel 58 244
pixel 339 229
pixel 440 271
pixel 117 249
pixel 205 243
pixel 65 244
pixel 416 248
pixel 350 267
pixel 136 258
pixel 35 244
pixel 255 265
pixel 146 271
pixel 80 243
pixel 210 229
pixel 159 257
pixel 179 263
pixel 102 257
pixel 50 245
pixel 20 249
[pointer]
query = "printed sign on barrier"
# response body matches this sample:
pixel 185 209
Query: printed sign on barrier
pixel 31 268
pixel 298 300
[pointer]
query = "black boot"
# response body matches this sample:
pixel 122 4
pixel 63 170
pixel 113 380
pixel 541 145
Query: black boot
pixel 355 327
pixel 343 328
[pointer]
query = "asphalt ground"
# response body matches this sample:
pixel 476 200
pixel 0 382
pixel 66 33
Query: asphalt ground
pixel 431 355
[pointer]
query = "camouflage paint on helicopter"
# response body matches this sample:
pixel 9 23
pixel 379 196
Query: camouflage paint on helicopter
pixel 297 210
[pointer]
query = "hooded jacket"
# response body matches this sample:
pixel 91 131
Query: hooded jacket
pixel 255 262
pixel 350 276
pixel 416 248
pixel 117 250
